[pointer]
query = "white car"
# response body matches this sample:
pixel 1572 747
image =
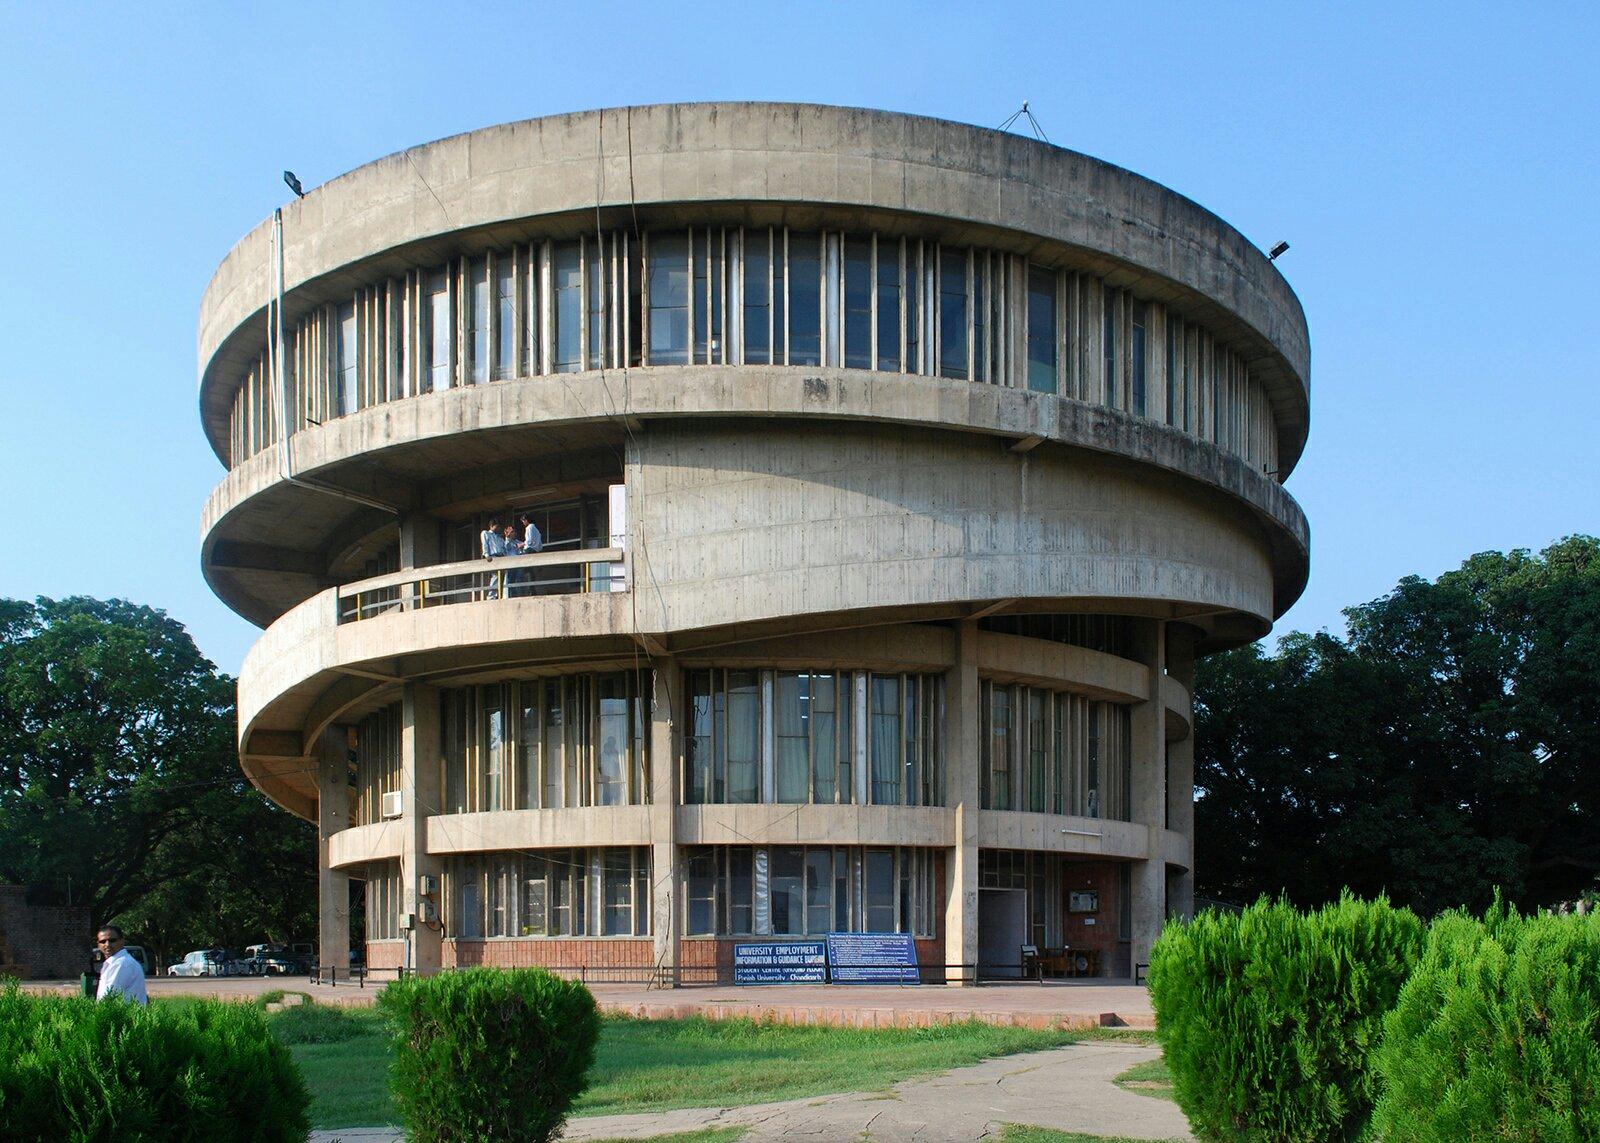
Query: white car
pixel 202 962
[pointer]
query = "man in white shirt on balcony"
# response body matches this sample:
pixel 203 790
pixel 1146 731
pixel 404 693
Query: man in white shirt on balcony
pixel 493 544
pixel 121 975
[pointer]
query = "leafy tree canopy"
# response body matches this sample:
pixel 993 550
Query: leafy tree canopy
pixel 1447 744
pixel 120 786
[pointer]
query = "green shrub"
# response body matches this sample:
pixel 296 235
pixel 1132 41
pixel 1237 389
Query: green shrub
pixel 1267 1017
pixel 489 1053
pixel 1495 1034
pixel 71 1068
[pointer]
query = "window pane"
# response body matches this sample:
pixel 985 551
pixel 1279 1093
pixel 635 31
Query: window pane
pixel 819 891
pixel 1041 330
pixel 757 297
pixel 347 394
pixel 788 891
pixel 569 307
pixel 700 880
pixel 858 303
pixel 878 876
pixel 439 332
pixel 889 304
pixel 885 740
pixel 741 890
pixel 744 736
pixel 953 312
pixel 505 303
pixel 610 787
pixel 616 891
pixel 805 299
pixel 1136 358
pixel 669 299
pixel 698 742
pixel 596 301
pixel 494 746
pixel 478 318
pixel 1108 338
pixel 824 737
pixel 792 761
pixel 555 751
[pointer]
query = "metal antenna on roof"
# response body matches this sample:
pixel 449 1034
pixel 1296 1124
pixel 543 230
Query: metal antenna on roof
pixel 1023 112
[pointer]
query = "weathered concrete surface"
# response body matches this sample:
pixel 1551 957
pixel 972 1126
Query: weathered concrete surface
pixel 1068 1089
pixel 841 163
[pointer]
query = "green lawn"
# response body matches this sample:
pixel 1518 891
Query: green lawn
pixel 654 1065
pixel 1021 1133
pixel 1149 1078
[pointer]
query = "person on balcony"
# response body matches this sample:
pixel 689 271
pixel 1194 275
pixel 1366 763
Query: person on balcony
pixel 493 543
pixel 531 542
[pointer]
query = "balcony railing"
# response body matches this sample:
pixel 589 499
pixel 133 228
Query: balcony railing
pixel 505 577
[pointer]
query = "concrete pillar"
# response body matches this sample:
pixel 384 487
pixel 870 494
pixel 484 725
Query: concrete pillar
pixel 333 886
pixel 666 699
pixel 1180 774
pixel 1149 793
pixel 962 787
pixel 419 540
pixel 419 786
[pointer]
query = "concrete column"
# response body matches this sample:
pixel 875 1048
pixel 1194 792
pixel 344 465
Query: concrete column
pixel 1149 792
pixel 333 886
pixel 666 699
pixel 1180 774
pixel 419 786
pixel 419 540
pixel 962 787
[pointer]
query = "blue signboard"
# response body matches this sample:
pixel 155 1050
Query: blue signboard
pixel 872 958
pixel 780 962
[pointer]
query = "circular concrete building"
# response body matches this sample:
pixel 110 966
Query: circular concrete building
pixel 883 477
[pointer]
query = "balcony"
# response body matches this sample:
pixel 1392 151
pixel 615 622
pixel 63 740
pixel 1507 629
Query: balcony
pixel 472 581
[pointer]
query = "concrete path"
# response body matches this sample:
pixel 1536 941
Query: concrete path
pixel 1067 1088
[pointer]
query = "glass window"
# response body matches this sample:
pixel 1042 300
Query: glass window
pixel 858 303
pixel 878 913
pixel 1042 334
pixel 555 744
pixel 829 719
pixel 699 763
pixel 699 889
pixel 595 291
pixel 1091 791
pixel 614 738
pixel 952 312
pixel 757 297
pixel 884 740
pixel 1136 356
pixel 889 304
pixel 494 732
pixel 348 396
pixel 788 891
pixel 438 331
pixel 1108 344
pixel 568 306
pixel 819 892
pixel 616 893
pixel 744 736
pixel 1037 746
pixel 505 308
pixel 669 299
pixel 535 903
pixel 741 890
pixel 805 299
pixel 997 746
pixel 478 319
pixel 793 762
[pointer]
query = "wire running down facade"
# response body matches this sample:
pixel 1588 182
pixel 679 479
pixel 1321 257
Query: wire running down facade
pixel 871 485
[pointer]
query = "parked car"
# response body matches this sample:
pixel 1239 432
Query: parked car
pixel 274 960
pixel 206 962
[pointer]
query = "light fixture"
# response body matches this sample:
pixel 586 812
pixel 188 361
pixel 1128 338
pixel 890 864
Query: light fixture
pixel 294 184
pixel 1272 255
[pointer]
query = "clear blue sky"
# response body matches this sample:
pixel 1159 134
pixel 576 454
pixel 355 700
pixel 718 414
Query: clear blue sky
pixel 1434 167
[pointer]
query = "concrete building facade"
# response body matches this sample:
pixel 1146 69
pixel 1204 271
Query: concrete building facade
pixel 891 475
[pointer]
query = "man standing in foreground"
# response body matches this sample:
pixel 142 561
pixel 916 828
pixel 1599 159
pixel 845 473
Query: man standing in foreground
pixel 121 975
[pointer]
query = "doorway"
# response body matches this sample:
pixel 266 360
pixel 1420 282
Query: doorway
pixel 1002 931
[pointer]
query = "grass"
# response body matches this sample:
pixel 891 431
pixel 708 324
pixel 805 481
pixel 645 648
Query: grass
pixel 704 1135
pixel 1021 1133
pixel 1149 1078
pixel 656 1065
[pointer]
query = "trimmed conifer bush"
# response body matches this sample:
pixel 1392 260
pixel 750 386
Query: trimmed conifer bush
pixel 71 1068
pixel 1497 1033
pixel 1268 1017
pixel 489 1053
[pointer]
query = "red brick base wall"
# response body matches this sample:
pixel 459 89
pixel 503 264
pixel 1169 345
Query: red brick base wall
pixel 1100 877
pixel 600 953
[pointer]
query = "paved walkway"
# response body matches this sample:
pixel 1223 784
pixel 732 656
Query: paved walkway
pixel 1069 1004
pixel 1067 1088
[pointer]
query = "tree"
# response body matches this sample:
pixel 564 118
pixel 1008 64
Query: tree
pixel 120 787
pixel 1446 745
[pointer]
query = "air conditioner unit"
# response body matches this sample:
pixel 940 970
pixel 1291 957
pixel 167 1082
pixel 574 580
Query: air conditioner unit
pixel 427 885
pixel 393 804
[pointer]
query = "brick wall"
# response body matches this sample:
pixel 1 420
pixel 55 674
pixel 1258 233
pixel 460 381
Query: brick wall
pixel 599 953
pixel 44 941
pixel 1100 877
